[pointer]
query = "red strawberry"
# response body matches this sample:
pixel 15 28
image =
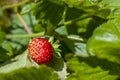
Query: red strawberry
pixel 40 50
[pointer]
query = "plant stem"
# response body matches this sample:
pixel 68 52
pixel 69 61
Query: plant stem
pixel 15 5
pixel 75 38
pixel 25 35
pixel 24 23
pixel 76 19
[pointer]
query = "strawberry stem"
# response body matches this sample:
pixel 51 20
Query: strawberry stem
pixel 24 23
pixel 24 35
pixel 75 38
pixel 15 5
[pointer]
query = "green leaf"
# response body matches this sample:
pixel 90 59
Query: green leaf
pixel 6 51
pixel 45 10
pixel 115 13
pixel 82 71
pixel 93 61
pixel 62 30
pixel 81 22
pixel 77 47
pixel 23 60
pixel 8 47
pixel 33 73
pixel 2 36
pixel 4 23
pixel 3 54
pixel 23 41
pixel 92 25
pixel 113 5
pixel 110 3
pixel 103 13
pixel 90 7
pixel 57 63
pixel 82 4
pixel 59 67
pixel 19 61
pixel 73 15
pixel 27 8
pixel 105 41
pixel 18 44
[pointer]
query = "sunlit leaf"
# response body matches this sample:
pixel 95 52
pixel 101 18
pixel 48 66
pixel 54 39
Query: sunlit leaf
pixel 82 71
pixel 19 61
pixel 33 73
pixel 105 41
pixel 62 30
pixel 27 8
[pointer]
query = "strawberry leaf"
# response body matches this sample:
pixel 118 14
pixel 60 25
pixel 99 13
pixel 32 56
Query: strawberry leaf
pixel 59 66
pixel 2 36
pixel 19 61
pixel 42 13
pixel 3 55
pixel 105 41
pixel 33 73
pixel 113 6
pixel 77 47
pixel 82 71
pixel 90 7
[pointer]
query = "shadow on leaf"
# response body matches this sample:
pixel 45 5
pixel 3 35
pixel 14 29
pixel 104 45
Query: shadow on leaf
pixel 112 67
pixel 56 63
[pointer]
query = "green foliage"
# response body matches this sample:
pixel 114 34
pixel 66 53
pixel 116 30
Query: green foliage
pixel 45 10
pixel 33 73
pixel 77 47
pixel 3 56
pixel 2 36
pixel 82 71
pixel 16 63
pixel 85 33
pixel 107 37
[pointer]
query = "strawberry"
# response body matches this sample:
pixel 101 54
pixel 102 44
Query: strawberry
pixel 40 50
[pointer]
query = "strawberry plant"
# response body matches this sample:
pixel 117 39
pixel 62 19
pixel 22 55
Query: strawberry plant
pixel 59 40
